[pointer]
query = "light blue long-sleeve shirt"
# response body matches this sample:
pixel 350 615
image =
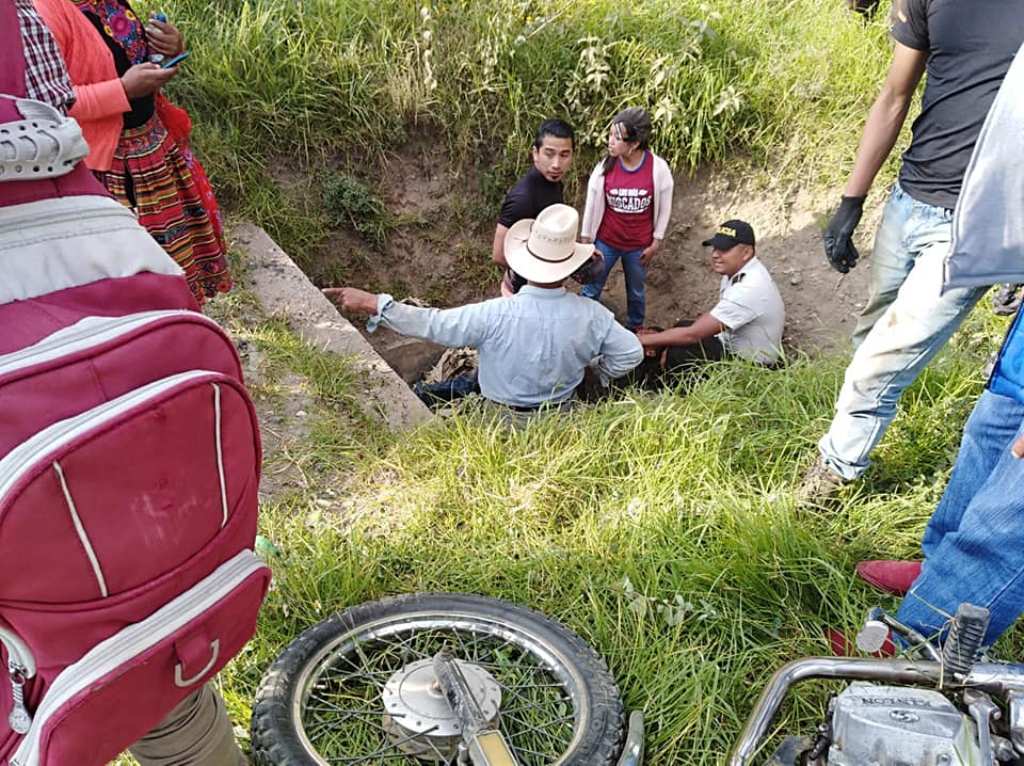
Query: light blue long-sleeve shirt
pixel 534 347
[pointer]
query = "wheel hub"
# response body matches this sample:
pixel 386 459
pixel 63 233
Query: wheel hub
pixel 417 715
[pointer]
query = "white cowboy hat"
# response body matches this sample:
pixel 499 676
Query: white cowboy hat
pixel 545 249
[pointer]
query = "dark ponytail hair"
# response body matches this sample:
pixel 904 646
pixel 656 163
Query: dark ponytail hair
pixel 636 125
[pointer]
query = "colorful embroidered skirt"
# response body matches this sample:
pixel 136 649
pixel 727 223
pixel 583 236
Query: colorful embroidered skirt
pixel 151 174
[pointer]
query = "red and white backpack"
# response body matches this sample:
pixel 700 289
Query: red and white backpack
pixel 129 467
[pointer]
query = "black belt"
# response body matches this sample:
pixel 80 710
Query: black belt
pixel 541 406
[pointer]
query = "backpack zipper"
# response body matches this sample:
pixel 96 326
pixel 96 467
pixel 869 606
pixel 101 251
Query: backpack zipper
pixel 51 213
pixel 38 448
pixel 21 666
pixel 87 333
pixel 109 655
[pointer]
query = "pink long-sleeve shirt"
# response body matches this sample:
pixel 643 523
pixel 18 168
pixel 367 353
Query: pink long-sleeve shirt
pixel 100 100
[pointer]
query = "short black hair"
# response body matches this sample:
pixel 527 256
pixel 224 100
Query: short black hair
pixel 556 128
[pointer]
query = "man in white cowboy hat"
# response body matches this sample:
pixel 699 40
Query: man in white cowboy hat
pixel 535 346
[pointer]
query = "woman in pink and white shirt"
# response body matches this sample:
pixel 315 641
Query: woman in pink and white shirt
pixel 629 200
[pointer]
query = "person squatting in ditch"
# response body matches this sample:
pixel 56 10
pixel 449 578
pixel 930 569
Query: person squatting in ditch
pixel 746 322
pixel 535 346
pixel 551 156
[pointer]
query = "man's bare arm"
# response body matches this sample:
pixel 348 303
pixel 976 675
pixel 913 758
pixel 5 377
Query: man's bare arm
pixel 353 300
pixel 886 118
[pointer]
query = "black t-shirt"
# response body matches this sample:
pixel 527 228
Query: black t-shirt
pixel 970 45
pixel 531 194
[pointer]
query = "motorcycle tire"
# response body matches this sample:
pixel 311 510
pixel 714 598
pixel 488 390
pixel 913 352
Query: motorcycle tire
pixel 278 730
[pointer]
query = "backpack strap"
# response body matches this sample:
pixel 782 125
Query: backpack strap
pixel 12 73
pixel 78 180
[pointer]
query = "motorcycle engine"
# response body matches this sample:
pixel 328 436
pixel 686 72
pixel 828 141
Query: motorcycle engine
pixel 899 726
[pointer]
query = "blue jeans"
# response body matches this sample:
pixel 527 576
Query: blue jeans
pixel 906 321
pixel 974 542
pixel 449 390
pixel 636 296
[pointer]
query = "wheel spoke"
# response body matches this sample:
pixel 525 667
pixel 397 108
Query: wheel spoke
pixel 343 711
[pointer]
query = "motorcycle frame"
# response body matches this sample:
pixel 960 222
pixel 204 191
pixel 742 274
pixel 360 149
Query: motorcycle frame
pixel 1003 680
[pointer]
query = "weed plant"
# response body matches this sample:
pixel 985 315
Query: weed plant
pixel 351 202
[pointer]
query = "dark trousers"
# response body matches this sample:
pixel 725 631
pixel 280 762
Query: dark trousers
pixel 196 733
pixel 677 365
pixel 450 390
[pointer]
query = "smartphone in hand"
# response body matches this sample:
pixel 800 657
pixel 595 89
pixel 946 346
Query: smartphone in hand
pixel 174 60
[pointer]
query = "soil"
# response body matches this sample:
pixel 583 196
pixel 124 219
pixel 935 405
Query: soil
pixel 821 304
pixel 439 253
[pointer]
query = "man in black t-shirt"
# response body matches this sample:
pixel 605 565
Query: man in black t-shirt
pixel 966 49
pixel 541 186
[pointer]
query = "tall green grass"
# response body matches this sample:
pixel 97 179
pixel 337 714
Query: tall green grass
pixel 661 528
pixel 291 82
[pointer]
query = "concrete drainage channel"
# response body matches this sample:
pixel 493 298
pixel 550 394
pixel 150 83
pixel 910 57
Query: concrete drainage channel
pixel 410 358
pixel 282 289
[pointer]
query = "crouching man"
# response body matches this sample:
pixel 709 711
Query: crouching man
pixel 535 346
pixel 746 322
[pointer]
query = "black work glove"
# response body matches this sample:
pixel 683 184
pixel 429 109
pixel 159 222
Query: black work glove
pixel 839 247
pixel 865 7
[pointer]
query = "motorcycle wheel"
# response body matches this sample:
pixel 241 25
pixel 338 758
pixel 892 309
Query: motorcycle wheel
pixel 323 700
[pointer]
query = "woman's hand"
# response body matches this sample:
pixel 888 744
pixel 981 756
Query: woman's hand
pixel 164 37
pixel 648 253
pixel 145 79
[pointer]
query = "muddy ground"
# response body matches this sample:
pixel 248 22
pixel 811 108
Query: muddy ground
pixel 439 252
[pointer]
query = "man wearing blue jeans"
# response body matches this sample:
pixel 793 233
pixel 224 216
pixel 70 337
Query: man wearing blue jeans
pixel 966 49
pixel 974 542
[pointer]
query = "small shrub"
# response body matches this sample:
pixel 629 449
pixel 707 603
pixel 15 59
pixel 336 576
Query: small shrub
pixel 350 202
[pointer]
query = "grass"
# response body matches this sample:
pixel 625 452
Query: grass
pixel 283 84
pixel 661 528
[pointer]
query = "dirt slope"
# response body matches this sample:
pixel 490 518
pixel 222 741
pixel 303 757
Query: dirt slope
pixel 439 256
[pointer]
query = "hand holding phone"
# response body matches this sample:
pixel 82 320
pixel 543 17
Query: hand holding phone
pixel 144 79
pixel 174 60
pixel 163 37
